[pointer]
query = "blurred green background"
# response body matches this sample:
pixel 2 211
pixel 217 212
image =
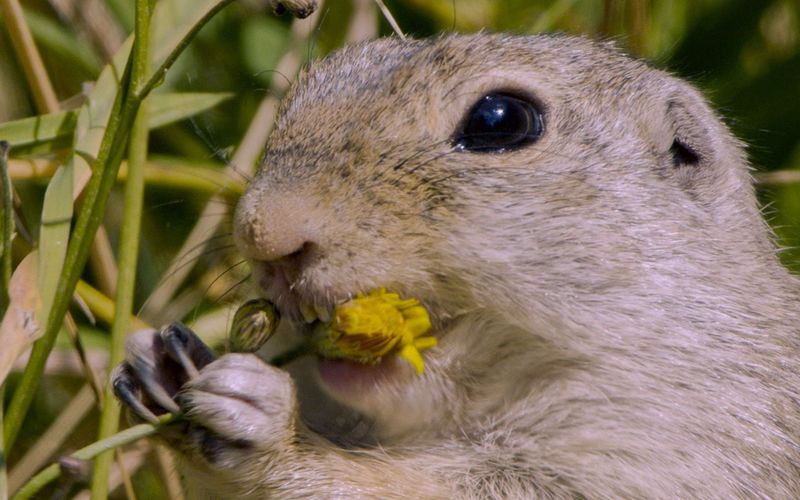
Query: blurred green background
pixel 744 54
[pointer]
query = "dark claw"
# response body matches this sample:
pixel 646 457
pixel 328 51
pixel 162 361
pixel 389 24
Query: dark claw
pixel 176 337
pixel 158 364
pixel 148 363
pixel 185 347
pixel 129 393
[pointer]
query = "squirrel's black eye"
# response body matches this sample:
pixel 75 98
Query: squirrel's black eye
pixel 499 122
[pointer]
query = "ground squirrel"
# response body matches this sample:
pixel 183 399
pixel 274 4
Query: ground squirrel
pixel 612 318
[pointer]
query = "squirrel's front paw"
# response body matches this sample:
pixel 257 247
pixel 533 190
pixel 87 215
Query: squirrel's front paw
pixel 241 403
pixel 226 407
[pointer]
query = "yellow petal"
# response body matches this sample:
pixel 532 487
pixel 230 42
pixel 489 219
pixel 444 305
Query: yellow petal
pixel 422 343
pixel 373 325
pixel 412 355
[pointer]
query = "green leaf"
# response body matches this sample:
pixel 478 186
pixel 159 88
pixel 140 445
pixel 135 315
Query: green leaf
pixel 38 130
pixel 52 129
pixel 54 234
pixel 173 107
pixel 70 178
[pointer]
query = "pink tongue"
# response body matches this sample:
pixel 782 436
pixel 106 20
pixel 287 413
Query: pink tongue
pixel 347 376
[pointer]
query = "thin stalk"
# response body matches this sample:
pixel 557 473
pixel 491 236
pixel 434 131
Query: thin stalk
pixel 166 466
pixel 7 206
pixel 788 176
pixel 3 454
pixel 102 263
pixel 102 307
pixel 161 172
pixel 127 436
pixel 158 75
pixel 43 94
pixel 390 18
pixel 54 437
pixel 128 247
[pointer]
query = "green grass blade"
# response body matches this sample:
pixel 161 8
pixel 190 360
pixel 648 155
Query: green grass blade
pixel 54 233
pixel 174 24
pixel 128 245
pixel 52 36
pixel 173 107
pixel 110 145
pixel 129 435
pixel 40 129
pixel 51 129
pixel 7 225
pixel 58 258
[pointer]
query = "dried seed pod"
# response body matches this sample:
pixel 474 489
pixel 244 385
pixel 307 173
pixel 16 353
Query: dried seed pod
pixel 299 8
pixel 253 324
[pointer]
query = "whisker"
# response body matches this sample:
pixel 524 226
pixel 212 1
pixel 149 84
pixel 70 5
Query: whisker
pixel 224 213
pixel 216 152
pixel 223 273
pixel 312 40
pixel 166 204
pixel 188 261
pixel 274 70
pixel 202 244
pixel 232 287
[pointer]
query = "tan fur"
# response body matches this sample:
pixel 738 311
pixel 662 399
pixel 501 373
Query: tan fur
pixel 610 325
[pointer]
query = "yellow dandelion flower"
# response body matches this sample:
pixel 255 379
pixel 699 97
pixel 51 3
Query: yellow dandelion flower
pixel 371 326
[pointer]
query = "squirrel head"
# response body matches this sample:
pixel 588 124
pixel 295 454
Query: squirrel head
pixel 528 181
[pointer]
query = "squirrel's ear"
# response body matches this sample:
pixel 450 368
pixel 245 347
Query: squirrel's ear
pixel 703 157
pixel 690 145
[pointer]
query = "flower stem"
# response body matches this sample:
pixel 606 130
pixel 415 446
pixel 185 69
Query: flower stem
pixel 128 245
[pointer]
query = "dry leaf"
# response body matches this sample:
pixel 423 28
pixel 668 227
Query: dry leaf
pixel 20 325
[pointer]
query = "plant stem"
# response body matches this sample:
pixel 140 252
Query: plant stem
pixel 167 172
pixel 158 75
pixel 128 245
pixel 43 94
pixel 3 454
pixel 127 436
pixel 102 307
pixel 7 205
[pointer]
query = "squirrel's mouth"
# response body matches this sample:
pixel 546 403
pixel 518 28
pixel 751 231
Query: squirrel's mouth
pixel 362 339
pixel 298 306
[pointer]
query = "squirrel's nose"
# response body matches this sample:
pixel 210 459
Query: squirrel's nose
pixel 270 227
